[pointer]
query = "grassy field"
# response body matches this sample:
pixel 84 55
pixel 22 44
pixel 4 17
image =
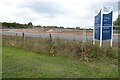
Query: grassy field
pixel 20 63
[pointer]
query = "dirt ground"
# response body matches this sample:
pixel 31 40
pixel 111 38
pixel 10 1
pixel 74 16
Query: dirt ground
pixel 55 31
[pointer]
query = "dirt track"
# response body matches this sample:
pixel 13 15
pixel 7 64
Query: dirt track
pixel 55 31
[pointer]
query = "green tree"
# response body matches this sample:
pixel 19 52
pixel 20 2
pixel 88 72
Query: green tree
pixel 14 25
pixel 117 22
pixel 30 24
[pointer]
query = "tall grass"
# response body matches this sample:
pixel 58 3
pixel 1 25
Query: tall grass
pixel 57 46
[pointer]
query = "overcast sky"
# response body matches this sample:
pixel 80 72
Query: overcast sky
pixel 67 13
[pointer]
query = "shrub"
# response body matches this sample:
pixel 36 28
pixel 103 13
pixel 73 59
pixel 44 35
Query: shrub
pixel 58 46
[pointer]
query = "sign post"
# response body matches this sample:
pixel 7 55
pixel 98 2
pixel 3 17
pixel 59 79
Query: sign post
pixel 103 29
pixel 111 36
pixel 83 39
pixel 93 36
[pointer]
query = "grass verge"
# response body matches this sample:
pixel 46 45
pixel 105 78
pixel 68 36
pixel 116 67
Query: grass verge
pixel 20 63
pixel 57 46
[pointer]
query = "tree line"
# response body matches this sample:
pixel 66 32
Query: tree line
pixel 30 25
pixel 117 23
pixel 16 25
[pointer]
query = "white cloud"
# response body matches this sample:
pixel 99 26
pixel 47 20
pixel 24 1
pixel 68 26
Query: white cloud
pixel 68 13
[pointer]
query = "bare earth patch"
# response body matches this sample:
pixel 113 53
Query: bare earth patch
pixel 54 31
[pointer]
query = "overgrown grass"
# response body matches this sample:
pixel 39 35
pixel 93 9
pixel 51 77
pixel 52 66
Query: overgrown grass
pixel 21 63
pixel 54 47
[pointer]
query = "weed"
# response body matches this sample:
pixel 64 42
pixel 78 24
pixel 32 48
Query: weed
pixel 57 46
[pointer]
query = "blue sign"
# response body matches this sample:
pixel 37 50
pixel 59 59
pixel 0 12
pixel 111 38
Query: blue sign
pixel 97 26
pixel 98 20
pixel 97 33
pixel 107 19
pixel 107 26
pixel 106 33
